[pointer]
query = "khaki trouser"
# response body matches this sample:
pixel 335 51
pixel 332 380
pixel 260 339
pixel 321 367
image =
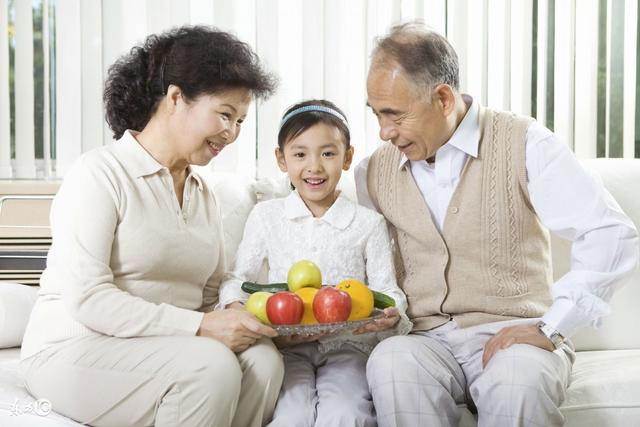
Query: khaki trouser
pixel 166 381
pixel 430 378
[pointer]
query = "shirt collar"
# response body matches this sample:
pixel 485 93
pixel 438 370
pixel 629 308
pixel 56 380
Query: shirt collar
pixel 466 137
pixel 339 215
pixel 139 162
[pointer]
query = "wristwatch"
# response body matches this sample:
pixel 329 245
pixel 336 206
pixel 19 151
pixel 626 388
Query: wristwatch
pixel 554 336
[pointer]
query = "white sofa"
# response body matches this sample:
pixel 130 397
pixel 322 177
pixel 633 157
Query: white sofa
pixel 605 384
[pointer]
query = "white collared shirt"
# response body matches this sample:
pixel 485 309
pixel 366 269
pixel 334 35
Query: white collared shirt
pixel 348 242
pixel 567 200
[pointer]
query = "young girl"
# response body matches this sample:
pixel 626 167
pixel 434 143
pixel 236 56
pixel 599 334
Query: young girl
pixel 325 382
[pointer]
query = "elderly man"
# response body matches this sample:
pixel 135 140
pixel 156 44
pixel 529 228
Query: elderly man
pixel 469 194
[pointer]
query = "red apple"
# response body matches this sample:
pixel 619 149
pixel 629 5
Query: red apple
pixel 285 308
pixel 331 305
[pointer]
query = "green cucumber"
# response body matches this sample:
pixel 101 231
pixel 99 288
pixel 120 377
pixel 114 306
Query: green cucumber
pixel 382 301
pixel 251 287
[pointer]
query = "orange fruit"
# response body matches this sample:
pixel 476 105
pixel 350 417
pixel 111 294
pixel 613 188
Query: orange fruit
pixel 361 298
pixel 307 294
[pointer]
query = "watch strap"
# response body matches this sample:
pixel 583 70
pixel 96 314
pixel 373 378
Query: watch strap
pixel 554 336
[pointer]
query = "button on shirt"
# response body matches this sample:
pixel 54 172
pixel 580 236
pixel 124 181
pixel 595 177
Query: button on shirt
pixel 567 200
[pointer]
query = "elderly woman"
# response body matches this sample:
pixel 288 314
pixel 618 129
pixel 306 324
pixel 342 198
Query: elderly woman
pixel 124 332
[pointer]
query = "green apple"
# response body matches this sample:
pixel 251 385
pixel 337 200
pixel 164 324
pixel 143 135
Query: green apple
pixel 302 274
pixel 257 305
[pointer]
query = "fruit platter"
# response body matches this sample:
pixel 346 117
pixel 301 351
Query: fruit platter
pixel 327 328
pixel 304 306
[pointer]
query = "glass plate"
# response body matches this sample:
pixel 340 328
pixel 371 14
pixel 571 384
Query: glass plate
pixel 327 328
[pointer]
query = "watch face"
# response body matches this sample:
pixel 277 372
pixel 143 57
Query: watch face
pixel 546 329
pixel 553 335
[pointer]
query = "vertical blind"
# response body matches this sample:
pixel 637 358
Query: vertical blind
pixel 569 63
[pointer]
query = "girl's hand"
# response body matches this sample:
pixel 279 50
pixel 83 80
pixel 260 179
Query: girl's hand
pixel 391 317
pixel 287 340
pixel 237 329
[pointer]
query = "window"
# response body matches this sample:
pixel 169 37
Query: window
pixel 30 42
pixel 570 63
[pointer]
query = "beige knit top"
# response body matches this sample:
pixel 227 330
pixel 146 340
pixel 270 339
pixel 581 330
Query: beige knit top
pixel 492 260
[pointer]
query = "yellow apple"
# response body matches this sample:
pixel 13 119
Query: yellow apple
pixel 257 305
pixel 302 274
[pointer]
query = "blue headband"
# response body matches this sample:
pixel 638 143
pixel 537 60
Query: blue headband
pixel 310 108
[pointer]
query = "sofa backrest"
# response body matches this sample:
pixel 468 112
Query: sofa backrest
pixel 622 178
pixel 237 195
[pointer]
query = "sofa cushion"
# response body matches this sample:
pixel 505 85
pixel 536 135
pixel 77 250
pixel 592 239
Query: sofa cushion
pixel 17 407
pixel 604 389
pixel 16 302
pixel 236 198
pixel 619 177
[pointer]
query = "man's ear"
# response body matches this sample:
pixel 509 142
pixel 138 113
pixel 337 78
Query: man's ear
pixel 280 159
pixel 444 95
pixel 348 158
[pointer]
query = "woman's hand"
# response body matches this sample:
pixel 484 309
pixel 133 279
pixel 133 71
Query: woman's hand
pixel 237 305
pixel 391 317
pixel 236 328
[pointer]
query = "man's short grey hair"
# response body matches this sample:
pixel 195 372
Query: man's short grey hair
pixel 426 56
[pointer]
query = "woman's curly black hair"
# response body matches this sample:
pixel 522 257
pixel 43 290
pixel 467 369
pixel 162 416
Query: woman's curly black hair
pixel 198 59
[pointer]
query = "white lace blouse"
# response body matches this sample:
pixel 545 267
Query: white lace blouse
pixel 348 242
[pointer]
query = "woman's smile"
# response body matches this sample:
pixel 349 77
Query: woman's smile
pixel 215 148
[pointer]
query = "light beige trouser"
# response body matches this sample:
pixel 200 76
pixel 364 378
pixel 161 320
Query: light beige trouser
pixel 166 381
pixel 429 378
pixel 324 389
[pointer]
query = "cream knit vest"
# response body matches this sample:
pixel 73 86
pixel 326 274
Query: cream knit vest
pixel 492 261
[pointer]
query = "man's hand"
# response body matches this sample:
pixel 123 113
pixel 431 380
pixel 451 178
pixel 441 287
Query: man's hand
pixel 521 334
pixel 391 317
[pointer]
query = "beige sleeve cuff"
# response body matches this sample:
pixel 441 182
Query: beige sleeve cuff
pixel 180 321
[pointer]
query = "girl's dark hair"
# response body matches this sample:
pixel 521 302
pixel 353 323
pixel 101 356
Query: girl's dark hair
pixel 303 121
pixel 198 59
